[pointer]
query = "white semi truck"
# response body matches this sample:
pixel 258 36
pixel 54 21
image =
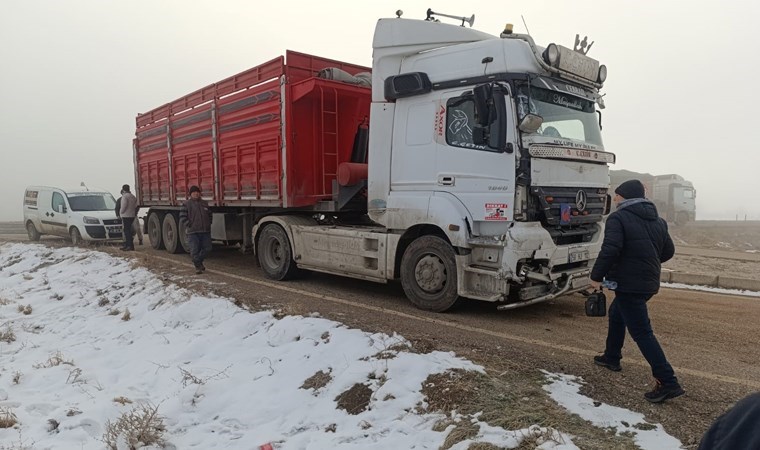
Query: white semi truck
pixel 485 177
pixel 674 196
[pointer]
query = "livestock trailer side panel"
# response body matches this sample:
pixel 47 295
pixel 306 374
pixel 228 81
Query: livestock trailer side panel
pixel 271 136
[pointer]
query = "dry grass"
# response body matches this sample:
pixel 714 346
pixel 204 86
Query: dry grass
pixel 4 301
pixel 7 418
pixel 139 427
pixel 356 399
pixel 462 431
pixel 7 335
pixel 317 381
pixel 122 400
pixel 55 359
pixel 512 401
pixel 16 377
pixel 114 312
pixel 25 310
pixel 127 315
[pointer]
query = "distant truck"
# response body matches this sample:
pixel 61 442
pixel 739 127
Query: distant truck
pixel 472 166
pixel 674 196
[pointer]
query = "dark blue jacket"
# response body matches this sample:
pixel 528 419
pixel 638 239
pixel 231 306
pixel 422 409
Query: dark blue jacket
pixel 737 428
pixel 636 242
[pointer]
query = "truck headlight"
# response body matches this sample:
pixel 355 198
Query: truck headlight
pixel 551 55
pixel 602 73
pixel 90 220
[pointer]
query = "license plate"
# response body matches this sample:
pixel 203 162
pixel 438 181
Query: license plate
pixel 578 255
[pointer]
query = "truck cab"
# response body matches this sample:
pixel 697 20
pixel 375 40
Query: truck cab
pixel 494 147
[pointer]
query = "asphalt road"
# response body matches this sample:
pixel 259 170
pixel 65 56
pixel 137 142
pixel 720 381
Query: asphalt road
pixel 711 339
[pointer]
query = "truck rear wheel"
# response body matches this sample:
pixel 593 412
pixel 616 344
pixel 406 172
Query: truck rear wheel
pixel 170 234
pixel 429 274
pixel 155 235
pixel 275 254
pixel 682 218
pixel 31 230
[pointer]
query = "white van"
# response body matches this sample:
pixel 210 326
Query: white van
pixel 80 214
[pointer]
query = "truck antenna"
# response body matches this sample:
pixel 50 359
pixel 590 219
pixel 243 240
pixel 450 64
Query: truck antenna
pixel 526 24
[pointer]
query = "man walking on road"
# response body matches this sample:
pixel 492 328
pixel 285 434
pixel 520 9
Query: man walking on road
pixel 195 216
pixel 636 243
pixel 127 212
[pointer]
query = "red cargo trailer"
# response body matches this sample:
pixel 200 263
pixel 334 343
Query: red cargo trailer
pixel 272 136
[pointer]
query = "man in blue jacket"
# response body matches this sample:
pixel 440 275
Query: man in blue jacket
pixel 636 243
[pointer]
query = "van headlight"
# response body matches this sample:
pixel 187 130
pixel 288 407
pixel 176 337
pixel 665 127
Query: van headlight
pixel 90 220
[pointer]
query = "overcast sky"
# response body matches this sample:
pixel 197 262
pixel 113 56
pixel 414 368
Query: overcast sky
pixel 74 74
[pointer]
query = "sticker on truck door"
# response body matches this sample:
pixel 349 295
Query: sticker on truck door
pixel 496 211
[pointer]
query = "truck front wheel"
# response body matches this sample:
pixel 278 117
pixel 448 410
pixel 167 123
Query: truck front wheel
pixel 429 274
pixel 275 254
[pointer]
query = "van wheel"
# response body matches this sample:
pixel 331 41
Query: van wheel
pixel 155 235
pixel 429 274
pixel 76 236
pixel 31 230
pixel 275 254
pixel 170 234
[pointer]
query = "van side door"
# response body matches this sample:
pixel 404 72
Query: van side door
pixel 54 218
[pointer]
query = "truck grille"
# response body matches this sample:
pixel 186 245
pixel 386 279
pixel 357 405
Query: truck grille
pixel 570 214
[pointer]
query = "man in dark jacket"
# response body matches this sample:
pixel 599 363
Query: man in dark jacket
pixel 737 428
pixel 636 242
pixel 195 216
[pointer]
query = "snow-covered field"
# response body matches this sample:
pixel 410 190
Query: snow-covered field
pixel 94 352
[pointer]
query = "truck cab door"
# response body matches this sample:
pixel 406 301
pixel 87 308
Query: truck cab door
pixel 481 178
pixel 54 218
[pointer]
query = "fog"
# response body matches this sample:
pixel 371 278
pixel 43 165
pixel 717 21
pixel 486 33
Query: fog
pixel 74 74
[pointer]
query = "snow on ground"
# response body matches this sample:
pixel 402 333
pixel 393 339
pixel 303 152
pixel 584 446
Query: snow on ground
pixel 85 338
pixel 564 389
pixel 716 290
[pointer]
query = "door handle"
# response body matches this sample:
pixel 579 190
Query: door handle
pixel 446 180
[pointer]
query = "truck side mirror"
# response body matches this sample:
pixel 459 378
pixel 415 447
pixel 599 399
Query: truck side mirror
pixel 483 97
pixel 531 123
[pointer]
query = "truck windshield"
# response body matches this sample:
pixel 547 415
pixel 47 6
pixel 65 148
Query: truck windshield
pixel 565 116
pixel 91 202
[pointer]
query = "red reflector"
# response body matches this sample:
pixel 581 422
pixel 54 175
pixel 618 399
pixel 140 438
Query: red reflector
pixel 549 199
pixel 585 213
pixel 575 213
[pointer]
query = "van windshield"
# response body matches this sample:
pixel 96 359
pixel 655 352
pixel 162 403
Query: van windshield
pixel 92 202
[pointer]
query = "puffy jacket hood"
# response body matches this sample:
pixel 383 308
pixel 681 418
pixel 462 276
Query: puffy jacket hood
pixel 641 207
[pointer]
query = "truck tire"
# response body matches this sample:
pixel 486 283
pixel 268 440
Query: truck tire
pixel 275 253
pixel 170 234
pixel 75 236
pixel 682 218
pixel 183 239
pixel 32 232
pixel 429 274
pixel 155 235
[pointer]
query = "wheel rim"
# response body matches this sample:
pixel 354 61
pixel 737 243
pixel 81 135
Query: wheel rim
pixel 273 253
pixel 153 229
pixel 30 230
pixel 171 233
pixel 430 274
pixel 75 237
